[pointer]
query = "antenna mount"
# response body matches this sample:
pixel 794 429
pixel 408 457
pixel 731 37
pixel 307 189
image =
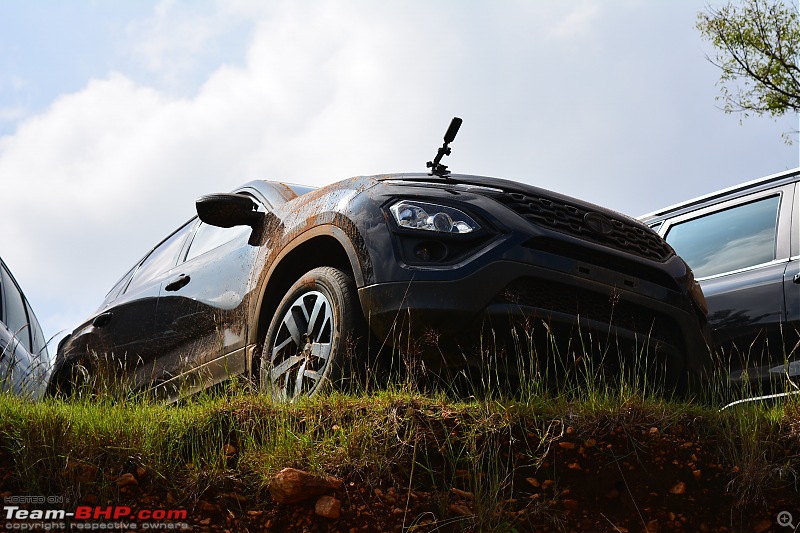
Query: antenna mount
pixel 436 166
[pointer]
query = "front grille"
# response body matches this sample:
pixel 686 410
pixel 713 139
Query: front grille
pixel 562 298
pixel 622 265
pixel 569 219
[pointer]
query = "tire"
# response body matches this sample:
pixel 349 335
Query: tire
pixel 311 336
pixel 74 378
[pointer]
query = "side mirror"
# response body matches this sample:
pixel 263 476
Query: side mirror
pixel 228 210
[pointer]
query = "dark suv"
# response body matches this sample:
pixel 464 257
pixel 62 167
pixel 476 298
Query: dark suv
pixel 743 246
pixel 274 280
pixel 24 361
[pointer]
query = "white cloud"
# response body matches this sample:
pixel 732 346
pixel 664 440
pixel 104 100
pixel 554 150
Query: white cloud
pixel 577 22
pixel 11 113
pixel 18 82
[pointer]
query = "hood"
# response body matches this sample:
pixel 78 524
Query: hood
pixel 506 186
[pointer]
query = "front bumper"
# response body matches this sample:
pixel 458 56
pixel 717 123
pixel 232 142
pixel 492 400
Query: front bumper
pixel 576 304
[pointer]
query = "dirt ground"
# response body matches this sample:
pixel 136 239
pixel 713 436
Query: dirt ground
pixel 650 479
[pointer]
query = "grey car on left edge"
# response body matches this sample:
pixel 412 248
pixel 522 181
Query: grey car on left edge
pixel 24 360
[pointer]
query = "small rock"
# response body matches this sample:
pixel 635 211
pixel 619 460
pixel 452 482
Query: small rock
pixel 328 507
pixel 141 472
pixel 612 494
pixel 654 431
pixel 567 445
pixel 574 466
pixel 652 526
pixel 291 485
pixel 81 472
pixel 572 505
pixel 697 474
pixel 763 526
pixel 679 488
pixel 229 450
pixel 127 479
pixel 460 510
pixel 462 494
pixel 206 507
pixel 533 481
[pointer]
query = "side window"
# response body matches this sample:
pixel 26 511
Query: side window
pixel 119 286
pixel 208 237
pixel 16 317
pixel 738 237
pixel 162 258
pixel 39 345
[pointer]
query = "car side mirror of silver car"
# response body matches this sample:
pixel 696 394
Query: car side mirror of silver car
pixel 228 210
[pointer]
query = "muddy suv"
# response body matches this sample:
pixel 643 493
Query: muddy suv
pixel 744 247
pixel 269 281
pixel 299 288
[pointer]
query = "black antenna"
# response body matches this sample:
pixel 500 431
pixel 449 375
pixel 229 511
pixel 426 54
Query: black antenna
pixel 436 166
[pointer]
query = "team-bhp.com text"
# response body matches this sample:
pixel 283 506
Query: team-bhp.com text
pixel 85 517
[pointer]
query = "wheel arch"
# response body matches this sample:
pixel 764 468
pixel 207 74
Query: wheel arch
pixel 320 246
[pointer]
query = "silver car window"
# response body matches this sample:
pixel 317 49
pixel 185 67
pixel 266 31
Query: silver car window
pixel 728 240
pixel 16 317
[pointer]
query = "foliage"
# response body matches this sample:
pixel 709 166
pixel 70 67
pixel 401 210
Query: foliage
pixel 757 45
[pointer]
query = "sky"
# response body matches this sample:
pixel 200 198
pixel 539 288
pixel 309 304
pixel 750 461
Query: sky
pixel 116 116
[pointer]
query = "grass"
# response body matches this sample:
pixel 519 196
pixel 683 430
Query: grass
pixel 483 446
pixel 487 447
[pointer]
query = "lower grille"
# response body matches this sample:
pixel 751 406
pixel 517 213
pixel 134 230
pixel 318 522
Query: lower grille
pixel 561 298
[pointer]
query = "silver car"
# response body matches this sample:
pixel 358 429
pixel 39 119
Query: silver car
pixel 24 360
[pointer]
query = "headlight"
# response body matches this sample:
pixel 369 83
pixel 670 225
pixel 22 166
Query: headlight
pixel 411 214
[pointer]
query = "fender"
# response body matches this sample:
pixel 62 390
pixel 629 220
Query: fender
pixel 360 262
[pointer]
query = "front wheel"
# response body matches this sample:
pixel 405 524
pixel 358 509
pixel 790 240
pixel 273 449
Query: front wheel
pixel 311 335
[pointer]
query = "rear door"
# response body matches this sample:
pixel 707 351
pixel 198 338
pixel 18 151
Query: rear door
pixel 125 326
pixel 739 252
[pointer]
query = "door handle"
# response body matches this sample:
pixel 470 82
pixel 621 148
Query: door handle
pixel 796 278
pixel 178 284
pixel 102 319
